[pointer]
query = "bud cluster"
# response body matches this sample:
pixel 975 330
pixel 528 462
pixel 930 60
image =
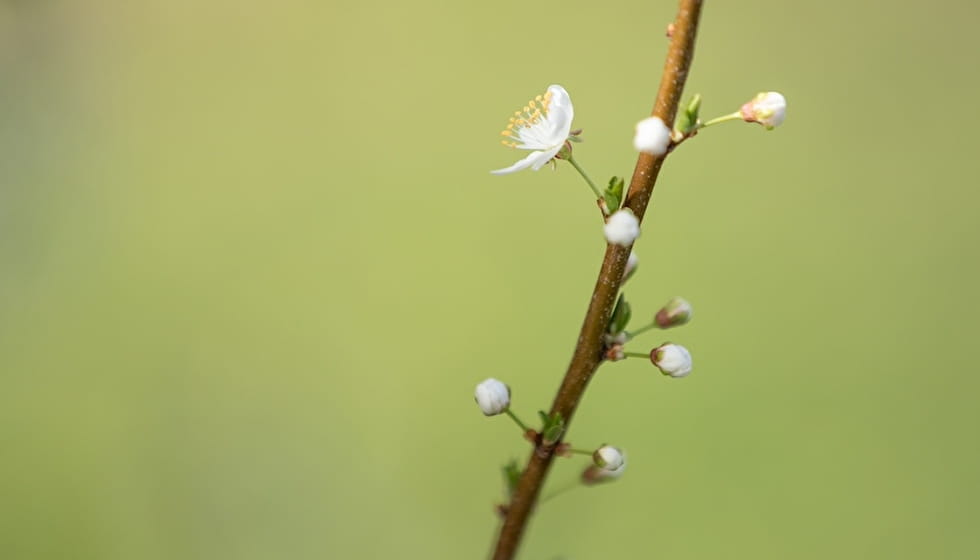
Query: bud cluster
pixel 543 127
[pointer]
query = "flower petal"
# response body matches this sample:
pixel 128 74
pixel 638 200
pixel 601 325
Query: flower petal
pixel 560 112
pixel 545 157
pixel 534 160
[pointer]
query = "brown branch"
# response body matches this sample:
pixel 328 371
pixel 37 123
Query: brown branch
pixel 589 350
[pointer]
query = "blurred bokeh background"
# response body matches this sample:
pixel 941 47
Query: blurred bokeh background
pixel 252 265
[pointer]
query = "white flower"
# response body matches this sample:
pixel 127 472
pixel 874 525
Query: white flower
pixel 622 228
pixel 768 109
pixel 492 396
pixel 609 458
pixel 543 126
pixel 652 136
pixel 672 359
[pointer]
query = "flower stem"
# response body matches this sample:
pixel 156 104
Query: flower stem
pixel 574 483
pixel 582 451
pixel 514 417
pixel 641 330
pixel 571 160
pixel 590 347
pixel 644 355
pixel 737 115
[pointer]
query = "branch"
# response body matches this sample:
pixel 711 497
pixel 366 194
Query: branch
pixel 589 350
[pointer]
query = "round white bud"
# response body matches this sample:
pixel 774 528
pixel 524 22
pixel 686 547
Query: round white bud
pixel 672 359
pixel 768 109
pixel 608 457
pixel 652 136
pixel 622 228
pixel 492 396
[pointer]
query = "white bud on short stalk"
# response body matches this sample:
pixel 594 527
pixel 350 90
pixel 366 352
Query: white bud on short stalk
pixel 492 396
pixel 674 313
pixel 672 359
pixel 608 457
pixel 768 109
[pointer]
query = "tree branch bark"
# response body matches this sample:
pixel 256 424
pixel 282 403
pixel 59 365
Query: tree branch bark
pixel 591 344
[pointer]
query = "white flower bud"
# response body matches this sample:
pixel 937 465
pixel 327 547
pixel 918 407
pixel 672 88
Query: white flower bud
pixel 768 109
pixel 492 396
pixel 622 228
pixel 631 263
pixel 675 313
pixel 672 359
pixel 652 136
pixel 608 457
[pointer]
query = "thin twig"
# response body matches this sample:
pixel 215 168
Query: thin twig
pixel 589 350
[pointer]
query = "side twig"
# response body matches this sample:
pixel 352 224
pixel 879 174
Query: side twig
pixel 589 349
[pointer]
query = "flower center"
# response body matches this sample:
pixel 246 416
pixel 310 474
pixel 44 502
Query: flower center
pixel 530 116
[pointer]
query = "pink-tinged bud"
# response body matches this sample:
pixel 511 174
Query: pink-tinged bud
pixel 622 228
pixel 492 396
pixel 675 313
pixel 672 359
pixel 768 109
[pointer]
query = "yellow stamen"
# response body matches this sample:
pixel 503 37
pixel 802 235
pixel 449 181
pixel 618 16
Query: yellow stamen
pixel 531 114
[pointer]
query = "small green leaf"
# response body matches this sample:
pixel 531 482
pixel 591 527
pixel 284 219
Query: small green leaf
pixel 553 429
pixel 616 186
pixel 688 119
pixel 612 203
pixel 512 474
pixel 621 315
pixel 613 195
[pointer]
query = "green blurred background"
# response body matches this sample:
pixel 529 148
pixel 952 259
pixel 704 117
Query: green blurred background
pixel 253 265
